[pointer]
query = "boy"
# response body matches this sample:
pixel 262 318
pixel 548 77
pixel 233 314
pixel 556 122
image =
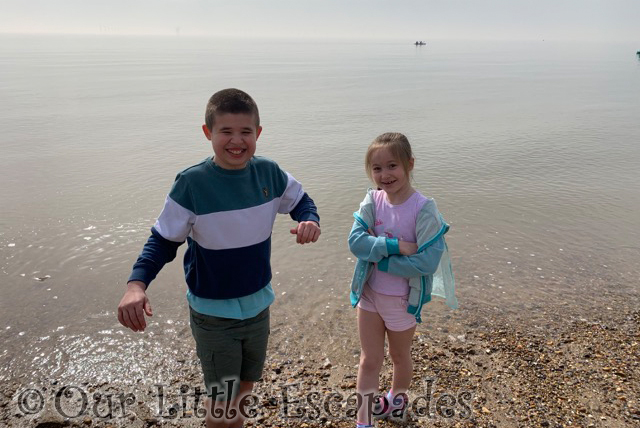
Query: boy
pixel 224 207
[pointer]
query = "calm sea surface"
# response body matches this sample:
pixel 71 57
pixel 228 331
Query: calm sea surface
pixel 531 150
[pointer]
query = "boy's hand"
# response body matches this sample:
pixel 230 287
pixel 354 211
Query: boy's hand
pixel 407 248
pixel 306 231
pixel 133 306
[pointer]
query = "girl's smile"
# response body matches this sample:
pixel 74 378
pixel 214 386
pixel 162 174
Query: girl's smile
pixel 390 176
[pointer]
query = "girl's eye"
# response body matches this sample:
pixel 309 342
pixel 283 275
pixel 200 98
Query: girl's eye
pixel 392 166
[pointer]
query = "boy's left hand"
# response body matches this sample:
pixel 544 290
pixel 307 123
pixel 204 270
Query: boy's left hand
pixel 306 231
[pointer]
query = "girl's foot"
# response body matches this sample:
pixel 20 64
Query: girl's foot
pixel 399 406
pixel 380 407
pixel 391 406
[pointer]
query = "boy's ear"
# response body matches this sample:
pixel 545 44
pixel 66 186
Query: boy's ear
pixel 207 132
pixel 258 131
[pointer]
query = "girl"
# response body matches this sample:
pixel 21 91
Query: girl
pixel 398 238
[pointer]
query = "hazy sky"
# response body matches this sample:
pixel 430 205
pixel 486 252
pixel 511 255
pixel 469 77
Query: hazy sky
pixel 379 19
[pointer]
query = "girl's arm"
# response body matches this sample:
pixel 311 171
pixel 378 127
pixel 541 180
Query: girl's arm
pixel 423 263
pixel 430 229
pixel 370 248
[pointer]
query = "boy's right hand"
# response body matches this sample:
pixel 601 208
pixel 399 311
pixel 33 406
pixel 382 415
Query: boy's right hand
pixel 407 248
pixel 133 306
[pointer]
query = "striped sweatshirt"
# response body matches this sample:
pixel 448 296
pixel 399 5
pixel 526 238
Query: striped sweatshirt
pixel 226 217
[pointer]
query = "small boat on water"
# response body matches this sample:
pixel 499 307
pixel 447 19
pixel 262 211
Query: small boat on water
pixel 420 43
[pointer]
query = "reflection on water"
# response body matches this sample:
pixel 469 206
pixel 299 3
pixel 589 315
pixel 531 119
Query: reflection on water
pixel 531 157
pixel 103 356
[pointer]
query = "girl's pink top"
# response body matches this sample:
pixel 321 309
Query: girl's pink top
pixel 394 221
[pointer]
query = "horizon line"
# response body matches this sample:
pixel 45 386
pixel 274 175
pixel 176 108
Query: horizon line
pixel 314 38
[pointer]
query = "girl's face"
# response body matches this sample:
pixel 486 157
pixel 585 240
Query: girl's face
pixel 388 173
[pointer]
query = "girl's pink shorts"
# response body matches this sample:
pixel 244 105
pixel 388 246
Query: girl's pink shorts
pixel 392 309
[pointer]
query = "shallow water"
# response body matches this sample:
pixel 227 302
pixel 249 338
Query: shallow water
pixel 529 149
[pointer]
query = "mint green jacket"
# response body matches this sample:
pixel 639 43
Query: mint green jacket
pixel 429 270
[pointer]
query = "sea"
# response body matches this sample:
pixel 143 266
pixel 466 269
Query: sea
pixel 531 150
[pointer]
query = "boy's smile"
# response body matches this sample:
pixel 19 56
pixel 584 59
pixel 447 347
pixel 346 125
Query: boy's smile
pixel 233 138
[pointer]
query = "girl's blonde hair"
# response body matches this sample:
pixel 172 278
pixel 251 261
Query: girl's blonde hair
pixel 399 146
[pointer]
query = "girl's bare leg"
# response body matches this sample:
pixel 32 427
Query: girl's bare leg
pixel 371 330
pixel 400 353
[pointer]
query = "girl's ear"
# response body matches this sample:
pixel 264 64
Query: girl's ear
pixel 411 164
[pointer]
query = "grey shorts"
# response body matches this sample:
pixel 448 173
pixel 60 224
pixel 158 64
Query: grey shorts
pixel 230 350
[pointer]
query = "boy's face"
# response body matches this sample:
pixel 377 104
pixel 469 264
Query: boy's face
pixel 233 138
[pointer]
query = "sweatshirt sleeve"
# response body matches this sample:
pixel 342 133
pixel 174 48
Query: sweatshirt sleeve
pixel 157 252
pixel 169 232
pixel 296 202
pixel 305 210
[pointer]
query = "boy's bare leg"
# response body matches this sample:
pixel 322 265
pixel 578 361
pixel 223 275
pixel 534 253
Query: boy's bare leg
pixel 371 328
pixel 212 422
pixel 245 389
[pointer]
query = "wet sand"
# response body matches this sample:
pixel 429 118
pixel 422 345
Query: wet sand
pixel 492 363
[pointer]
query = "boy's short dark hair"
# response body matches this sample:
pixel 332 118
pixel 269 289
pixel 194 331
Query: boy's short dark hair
pixel 230 101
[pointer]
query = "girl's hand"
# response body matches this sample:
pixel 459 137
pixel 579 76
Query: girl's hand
pixel 407 248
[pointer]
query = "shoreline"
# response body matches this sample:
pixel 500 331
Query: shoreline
pixel 481 366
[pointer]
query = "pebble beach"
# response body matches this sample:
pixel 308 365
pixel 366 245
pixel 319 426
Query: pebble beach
pixel 542 365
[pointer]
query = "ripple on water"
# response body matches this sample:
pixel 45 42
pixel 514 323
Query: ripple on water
pixel 79 243
pixel 109 355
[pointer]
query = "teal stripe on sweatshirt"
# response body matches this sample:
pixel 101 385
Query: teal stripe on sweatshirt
pixel 206 188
